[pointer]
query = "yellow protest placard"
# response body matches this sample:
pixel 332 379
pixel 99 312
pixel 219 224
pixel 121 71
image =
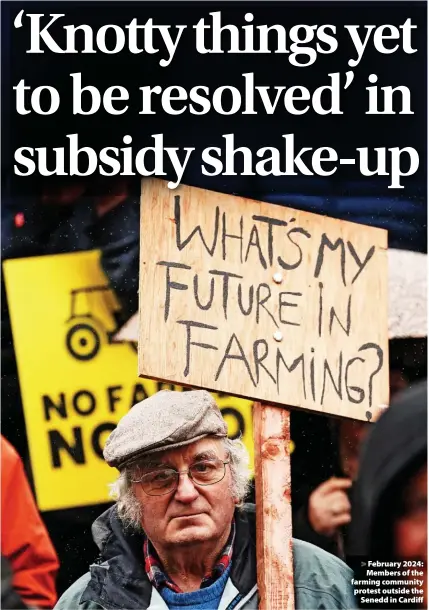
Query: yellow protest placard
pixel 76 383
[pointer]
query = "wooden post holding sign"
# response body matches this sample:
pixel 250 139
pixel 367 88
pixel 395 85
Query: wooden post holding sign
pixel 268 303
pixel 273 488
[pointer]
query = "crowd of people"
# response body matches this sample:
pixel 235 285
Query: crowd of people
pixel 181 531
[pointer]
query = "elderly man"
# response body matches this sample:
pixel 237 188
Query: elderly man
pixel 178 536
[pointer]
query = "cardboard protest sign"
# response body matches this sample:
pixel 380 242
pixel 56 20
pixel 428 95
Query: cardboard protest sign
pixel 263 301
pixel 75 382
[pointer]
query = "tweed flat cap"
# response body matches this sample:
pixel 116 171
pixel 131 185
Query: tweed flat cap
pixel 165 420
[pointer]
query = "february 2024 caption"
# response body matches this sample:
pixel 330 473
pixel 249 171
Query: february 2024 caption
pixel 390 582
pixel 302 44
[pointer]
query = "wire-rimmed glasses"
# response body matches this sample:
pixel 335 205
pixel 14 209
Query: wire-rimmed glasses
pixel 162 481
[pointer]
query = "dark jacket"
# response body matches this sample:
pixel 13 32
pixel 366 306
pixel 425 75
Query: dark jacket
pixel 303 530
pixel 393 451
pixel 301 526
pixel 119 580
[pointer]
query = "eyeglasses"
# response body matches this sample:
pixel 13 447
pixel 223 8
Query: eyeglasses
pixel 166 480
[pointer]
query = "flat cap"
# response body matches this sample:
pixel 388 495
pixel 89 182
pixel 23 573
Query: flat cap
pixel 165 420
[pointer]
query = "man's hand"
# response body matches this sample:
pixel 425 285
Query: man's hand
pixel 329 507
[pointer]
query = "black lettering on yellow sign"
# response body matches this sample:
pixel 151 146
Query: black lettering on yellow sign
pixel 96 437
pixel 60 446
pixel 60 407
pixel 58 443
pixel 240 426
pixel 84 403
pixel 139 394
pixel 113 397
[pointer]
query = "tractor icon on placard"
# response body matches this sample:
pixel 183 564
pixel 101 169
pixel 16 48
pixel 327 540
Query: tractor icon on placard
pixel 87 332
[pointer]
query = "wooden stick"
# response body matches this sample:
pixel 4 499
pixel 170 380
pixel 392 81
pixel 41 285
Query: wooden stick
pixel 271 433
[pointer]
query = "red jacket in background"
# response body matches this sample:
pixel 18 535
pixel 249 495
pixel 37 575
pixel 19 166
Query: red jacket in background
pixel 25 541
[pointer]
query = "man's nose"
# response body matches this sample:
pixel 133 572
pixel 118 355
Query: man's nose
pixel 186 490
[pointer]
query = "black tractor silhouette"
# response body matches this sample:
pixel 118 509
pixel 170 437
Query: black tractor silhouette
pixel 86 333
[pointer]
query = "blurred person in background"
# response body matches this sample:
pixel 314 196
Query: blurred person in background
pixel 389 516
pixel 324 516
pixel 73 215
pixel 29 560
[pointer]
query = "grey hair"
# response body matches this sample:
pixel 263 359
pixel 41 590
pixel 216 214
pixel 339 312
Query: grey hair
pixel 130 510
